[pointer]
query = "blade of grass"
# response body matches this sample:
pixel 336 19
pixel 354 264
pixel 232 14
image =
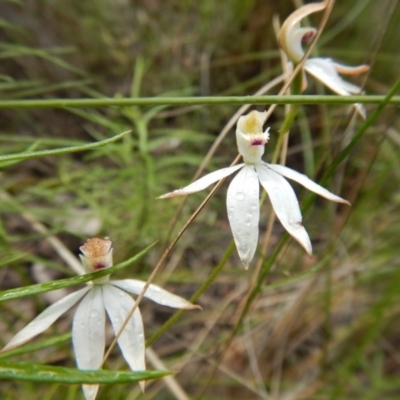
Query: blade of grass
pixel 193 100
pixel 23 371
pixel 71 149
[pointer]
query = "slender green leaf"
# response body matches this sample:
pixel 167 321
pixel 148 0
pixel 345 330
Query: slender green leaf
pixel 196 100
pixel 71 149
pixel 23 371
pixel 42 344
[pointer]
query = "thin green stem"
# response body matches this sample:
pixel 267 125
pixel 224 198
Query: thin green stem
pixel 284 130
pixel 291 115
pixel 64 150
pixel 204 100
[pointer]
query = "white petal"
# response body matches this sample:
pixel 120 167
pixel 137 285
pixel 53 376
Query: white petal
pixel 324 70
pixel 131 342
pixel 154 293
pixel 203 182
pixel 306 182
pixel 90 391
pixel 285 204
pixel 243 206
pixel 88 335
pixel 45 319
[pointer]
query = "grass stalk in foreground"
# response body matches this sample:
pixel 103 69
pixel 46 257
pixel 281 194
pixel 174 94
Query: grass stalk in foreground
pixel 64 150
pixel 196 100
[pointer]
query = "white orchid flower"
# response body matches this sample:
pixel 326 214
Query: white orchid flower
pixel 291 38
pixel 243 193
pixel 101 296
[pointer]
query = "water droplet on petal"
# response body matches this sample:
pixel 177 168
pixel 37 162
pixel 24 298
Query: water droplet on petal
pixel 240 196
pixel 94 313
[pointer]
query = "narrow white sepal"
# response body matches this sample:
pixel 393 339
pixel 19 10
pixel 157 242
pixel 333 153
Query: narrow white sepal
pixel 285 204
pixel 154 293
pixel 131 342
pixel 324 70
pixel 242 202
pixel 203 182
pixel 306 182
pixel 88 335
pixel 90 391
pixel 45 319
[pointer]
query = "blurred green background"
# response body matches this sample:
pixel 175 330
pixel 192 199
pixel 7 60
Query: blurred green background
pixel 326 327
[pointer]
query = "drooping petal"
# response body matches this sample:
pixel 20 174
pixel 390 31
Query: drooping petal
pixel 45 319
pixel 131 342
pixel 306 182
pixel 242 202
pixel 349 70
pixel 325 71
pixel 304 82
pixel 154 293
pixel 88 335
pixel 203 182
pixel 285 204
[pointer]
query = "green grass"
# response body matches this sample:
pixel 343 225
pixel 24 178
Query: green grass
pixel 292 326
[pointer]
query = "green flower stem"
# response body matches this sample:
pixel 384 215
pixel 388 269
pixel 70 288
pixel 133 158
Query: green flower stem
pixel 64 150
pixel 204 100
pixel 258 286
pixel 196 296
pixel 297 83
pixel 287 123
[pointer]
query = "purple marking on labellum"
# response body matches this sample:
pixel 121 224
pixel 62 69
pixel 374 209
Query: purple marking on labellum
pixel 256 142
pixel 308 36
pixel 98 265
